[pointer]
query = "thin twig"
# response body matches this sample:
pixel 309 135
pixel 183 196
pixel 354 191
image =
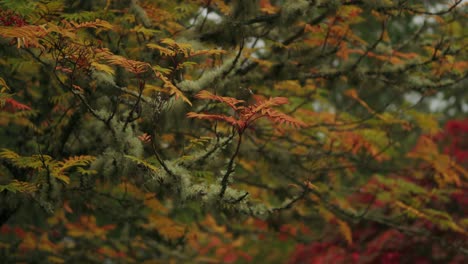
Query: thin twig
pixel 230 170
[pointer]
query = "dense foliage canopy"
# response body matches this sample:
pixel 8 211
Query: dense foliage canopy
pixel 220 131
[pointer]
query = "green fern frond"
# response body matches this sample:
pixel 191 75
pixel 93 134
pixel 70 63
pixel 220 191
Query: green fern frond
pixel 60 176
pixel 33 162
pixel 59 99
pixel 75 161
pixel 22 7
pixel 443 219
pixel 8 154
pixel 84 171
pixel 18 186
pixel 83 16
pixel 145 31
pixel 143 163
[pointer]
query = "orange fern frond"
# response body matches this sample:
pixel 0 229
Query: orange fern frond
pixel 206 52
pixel 280 118
pixel 162 50
pixel 262 105
pixel 98 23
pixel 173 90
pixel 232 102
pixel 27 36
pixel 213 117
pixel 133 66
pixel 139 67
pixel 247 115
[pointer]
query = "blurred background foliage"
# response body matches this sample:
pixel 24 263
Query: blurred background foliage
pixel 332 132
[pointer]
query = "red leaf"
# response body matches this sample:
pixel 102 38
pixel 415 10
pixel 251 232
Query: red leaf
pixel 12 105
pixel 230 257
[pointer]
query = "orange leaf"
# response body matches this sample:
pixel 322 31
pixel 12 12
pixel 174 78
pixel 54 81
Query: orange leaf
pixel 265 6
pixel 232 102
pixel 224 118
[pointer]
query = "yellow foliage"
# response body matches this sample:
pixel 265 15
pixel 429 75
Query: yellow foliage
pixel 220 4
pixel 103 67
pixel 412 211
pixel 165 226
pixel 345 231
pixel 155 205
pixel 54 259
pixel 173 90
pixel 4 86
pixel 343 227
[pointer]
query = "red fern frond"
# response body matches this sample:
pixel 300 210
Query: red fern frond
pixel 248 115
pixel 11 105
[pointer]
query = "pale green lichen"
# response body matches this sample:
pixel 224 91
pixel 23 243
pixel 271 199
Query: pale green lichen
pixel 292 9
pixel 140 13
pixel 207 79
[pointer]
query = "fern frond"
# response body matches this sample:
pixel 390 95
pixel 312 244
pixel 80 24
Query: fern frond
pixel 75 161
pixel 58 168
pixel 133 66
pixel 18 118
pixel 35 162
pixel 3 97
pixel 411 211
pixel 173 90
pixel 213 117
pixel 98 23
pixel 15 105
pixel 103 68
pixel 444 220
pixel 178 47
pixel 160 69
pixel 248 115
pixel 80 16
pixel 60 176
pixel 232 102
pixel 9 155
pixel 19 186
pixel 27 36
pixel 280 118
pixel 162 50
pixel 25 113
pixel 60 99
pixel 262 105
pixel 144 163
pixel 172 48
pixel 3 85
pixel 148 32
pixel 207 52
pixel 20 7
pixel 84 171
